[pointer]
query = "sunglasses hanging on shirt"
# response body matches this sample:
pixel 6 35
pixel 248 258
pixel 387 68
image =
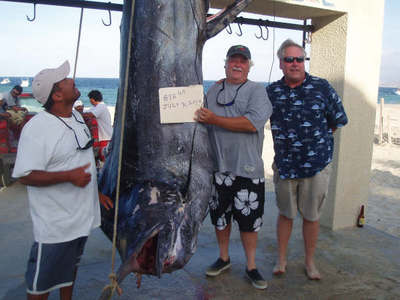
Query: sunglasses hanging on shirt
pixel 88 144
pixel 234 98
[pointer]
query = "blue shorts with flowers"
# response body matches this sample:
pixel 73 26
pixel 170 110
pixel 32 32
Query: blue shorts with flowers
pixel 238 197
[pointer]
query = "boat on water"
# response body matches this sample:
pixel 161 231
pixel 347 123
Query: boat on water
pixel 5 81
pixel 397 92
pixel 24 83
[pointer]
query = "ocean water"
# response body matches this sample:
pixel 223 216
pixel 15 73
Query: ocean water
pixel 109 88
pixel 389 95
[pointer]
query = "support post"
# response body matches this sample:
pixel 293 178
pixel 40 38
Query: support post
pixel 337 55
pixel 381 108
pixel 389 129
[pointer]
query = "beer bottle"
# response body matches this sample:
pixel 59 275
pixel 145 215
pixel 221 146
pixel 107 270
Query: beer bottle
pixel 361 218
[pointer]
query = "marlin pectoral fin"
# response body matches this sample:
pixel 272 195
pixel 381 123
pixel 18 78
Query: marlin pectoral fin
pixel 219 21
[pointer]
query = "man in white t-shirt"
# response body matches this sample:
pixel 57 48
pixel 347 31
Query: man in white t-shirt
pixel 100 111
pixel 55 160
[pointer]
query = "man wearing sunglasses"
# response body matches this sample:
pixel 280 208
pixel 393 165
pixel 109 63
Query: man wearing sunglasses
pixel 306 112
pixel 56 162
pixel 237 110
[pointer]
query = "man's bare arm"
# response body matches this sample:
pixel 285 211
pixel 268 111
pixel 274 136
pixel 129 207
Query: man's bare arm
pixel 240 124
pixel 77 177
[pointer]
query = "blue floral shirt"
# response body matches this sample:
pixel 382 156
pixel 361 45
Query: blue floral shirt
pixel 301 123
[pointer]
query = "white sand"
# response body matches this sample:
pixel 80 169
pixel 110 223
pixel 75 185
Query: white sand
pixel 383 209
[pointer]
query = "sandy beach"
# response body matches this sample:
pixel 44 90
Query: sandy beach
pixel 383 208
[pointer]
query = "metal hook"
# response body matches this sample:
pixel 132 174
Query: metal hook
pixel 309 37
pixel 229 28
pixel 265 39
pixel 34 14
pixel 240 29
pixel 259 37
pixel 109 18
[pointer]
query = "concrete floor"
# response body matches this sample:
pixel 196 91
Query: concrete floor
pixel 355 263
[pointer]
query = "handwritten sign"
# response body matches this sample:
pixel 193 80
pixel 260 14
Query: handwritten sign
pixel 178 104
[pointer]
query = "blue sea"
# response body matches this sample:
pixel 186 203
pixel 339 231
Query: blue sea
pixel 109 88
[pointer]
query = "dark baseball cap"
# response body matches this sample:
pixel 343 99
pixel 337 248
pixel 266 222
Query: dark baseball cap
pixel 239 49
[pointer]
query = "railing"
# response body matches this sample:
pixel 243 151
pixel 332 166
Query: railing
pixel 387 125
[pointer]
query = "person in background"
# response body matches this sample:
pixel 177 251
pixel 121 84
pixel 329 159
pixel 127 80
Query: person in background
pixel 11 104
pixel 3 113
pixel 5 131
pixel 236 115
pixel 55 160
pixel 100 111
pixel 78 105
pixel 306 112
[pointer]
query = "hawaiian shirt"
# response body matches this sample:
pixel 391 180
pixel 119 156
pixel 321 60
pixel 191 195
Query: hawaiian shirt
pixel 301 123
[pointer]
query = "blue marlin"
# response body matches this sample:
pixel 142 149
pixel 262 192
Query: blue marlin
pixel 166 169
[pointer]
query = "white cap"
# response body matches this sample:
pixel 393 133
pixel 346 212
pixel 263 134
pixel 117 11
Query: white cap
pixel 43 82
pixel 78 103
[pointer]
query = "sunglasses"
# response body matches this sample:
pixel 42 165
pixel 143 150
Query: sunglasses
pixel 290 59
pixel 234 98
pixel 88 144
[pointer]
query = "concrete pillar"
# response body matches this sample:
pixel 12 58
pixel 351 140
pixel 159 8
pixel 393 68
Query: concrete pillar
pixel 346 50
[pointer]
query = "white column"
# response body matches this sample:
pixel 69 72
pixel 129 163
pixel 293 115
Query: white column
pixel 346 50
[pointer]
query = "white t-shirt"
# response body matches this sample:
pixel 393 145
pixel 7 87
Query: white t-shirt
pixel 100 111
pixel 60 212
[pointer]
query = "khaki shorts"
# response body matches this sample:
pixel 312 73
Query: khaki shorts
pixel 306 195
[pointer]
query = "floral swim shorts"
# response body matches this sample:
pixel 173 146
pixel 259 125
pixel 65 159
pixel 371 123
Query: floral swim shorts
pixel 240 197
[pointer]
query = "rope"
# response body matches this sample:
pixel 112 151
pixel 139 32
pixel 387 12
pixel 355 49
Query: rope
pixel 113 278
pixel 79 41
pixel 109 289
pixel 273 45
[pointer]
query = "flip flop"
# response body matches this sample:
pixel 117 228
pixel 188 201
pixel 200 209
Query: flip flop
pixel 278 269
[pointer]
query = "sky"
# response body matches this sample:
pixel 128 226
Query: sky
pixel 390 64
pixel 27 47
